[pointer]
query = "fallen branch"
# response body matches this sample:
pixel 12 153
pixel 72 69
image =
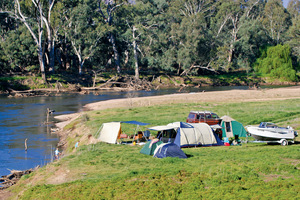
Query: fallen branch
pixel 14 177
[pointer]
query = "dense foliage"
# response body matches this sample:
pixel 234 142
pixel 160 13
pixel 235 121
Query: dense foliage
pixel 178 36
pixel 276 62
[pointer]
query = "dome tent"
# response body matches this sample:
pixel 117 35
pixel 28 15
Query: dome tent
pixel 150 147
pixel 169 150
pixel 188 134
pixel 232 128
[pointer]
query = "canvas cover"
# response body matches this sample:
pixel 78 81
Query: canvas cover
pixel 109 132
pixel 194 134
pixel 190 134
pixel 169 150
pixel 150 147
pixel 231 128
pixel 206 134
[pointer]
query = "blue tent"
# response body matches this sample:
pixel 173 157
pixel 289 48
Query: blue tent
pixel 169 150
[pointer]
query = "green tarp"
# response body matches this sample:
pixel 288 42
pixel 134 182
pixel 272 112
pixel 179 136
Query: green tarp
pixel 149 149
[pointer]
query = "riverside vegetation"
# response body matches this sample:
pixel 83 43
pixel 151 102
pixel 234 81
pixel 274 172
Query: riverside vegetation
pixel 104 171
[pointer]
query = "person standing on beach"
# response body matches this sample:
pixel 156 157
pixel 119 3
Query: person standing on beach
pixel 57 154
pixel 76 145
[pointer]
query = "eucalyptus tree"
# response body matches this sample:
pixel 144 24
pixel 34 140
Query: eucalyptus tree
pixel 275 19
pixel 293 35
pixel 32 15
pixel 228 22
pixel 140 23
pixel 182 35
pixel 108 10
pixel 251 36
pixel 80 27
pixel 6 25
pixel 19 51
pixel 154 42
pixel 294 8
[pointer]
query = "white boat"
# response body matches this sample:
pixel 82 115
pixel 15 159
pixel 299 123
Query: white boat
pixel 270 132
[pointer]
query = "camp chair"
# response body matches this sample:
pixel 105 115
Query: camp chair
pixel 146 134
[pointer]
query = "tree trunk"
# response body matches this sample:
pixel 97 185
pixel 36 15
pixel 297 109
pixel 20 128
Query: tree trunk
pixel 116 53
pixel 51 56
pixel 42 65
pixel 137 74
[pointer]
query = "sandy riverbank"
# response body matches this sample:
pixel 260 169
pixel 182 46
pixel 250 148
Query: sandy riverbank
pixel 216 96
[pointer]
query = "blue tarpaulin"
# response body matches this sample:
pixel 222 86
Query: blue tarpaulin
pixel 136 123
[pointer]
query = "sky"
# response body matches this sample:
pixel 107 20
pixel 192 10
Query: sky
pixel 285 3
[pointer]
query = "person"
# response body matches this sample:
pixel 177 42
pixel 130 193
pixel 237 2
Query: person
pixel 57 154
pixel 76 145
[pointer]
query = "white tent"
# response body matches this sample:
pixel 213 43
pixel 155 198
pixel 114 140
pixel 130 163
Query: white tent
pixel 188 134
pixel 109 132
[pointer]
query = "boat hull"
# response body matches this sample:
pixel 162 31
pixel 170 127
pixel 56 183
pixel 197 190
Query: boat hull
pixel 267 134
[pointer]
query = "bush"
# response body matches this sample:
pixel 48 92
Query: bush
pixel 276 62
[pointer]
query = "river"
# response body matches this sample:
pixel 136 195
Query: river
pixel 23 118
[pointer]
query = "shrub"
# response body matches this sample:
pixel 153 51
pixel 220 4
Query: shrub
pixel 276 62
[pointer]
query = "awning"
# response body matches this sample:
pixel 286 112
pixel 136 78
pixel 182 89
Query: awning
pixel 136 123
pixel 162 128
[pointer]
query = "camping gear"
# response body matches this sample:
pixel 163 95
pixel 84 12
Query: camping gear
pixel 150 147
pixel 270 132
pixel 232 128
pixel 111 131
pixel 138 135
pixel 226 141
pixel 168 150
pixel 187 134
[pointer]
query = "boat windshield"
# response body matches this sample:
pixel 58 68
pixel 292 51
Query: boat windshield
pixel 267 125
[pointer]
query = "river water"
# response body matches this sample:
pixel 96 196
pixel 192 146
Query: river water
pixel 23 118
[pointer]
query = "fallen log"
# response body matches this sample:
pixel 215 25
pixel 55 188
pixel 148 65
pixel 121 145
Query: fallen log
pixel 14 176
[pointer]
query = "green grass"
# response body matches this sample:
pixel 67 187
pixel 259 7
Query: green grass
pixel 250 171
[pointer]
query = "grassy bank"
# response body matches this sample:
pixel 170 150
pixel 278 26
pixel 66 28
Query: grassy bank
pixel 103 171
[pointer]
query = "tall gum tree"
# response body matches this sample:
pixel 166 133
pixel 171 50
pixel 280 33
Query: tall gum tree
pixel 231 16
pixel 294 30
pixel 139 23
pixel 81 30
pixel 187 36
pixel 111 7
pixel 276 19
pixel 35 25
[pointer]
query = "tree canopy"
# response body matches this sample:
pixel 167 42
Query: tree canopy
pixel 138 36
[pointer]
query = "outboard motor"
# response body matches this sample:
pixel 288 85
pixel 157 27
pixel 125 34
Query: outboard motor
pixel 295 133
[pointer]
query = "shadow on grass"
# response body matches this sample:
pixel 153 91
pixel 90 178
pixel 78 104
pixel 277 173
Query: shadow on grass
pixel 189 155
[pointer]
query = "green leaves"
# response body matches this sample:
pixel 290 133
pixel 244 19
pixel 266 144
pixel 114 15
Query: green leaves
pixel 276 62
